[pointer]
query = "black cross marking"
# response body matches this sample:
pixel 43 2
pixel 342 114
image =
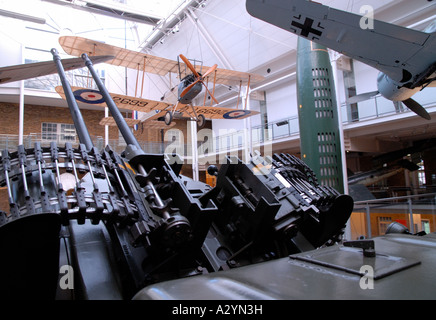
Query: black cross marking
pixel 306 28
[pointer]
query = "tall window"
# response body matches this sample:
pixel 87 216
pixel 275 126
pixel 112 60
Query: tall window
pixel 383 223
pixel 60 132
pixel 350 91
pixel 421 174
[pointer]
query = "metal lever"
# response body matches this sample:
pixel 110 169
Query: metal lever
pixel 368 246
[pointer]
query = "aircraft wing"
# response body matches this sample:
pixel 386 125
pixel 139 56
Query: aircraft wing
pixel 397 51
pixel 234 78
pixel 432 84
pixel 150 123
pixel 216 112
pixel 110 121
pixel 75 46
pixel 94 97
pixel 38 69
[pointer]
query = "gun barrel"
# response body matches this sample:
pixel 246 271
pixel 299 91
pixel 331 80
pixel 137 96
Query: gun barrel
pixel 79 123
pixel 116 114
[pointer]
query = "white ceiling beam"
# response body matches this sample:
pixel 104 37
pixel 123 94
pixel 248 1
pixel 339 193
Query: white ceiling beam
pixel 21 16
pixel 120 11
pixel 164 27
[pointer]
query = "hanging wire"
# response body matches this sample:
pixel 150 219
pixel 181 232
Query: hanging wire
pixel 249 45
pixel 190 39
pixel 350 5
pixel 199 41
pixel 245 28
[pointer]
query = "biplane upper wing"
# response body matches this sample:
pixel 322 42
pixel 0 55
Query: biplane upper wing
pixel 235 78
pixel 76 46
pixel 93 97
pixel 38 69
pixel 397 51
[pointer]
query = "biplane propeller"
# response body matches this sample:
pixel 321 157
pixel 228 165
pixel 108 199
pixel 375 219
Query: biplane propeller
pixel 190 86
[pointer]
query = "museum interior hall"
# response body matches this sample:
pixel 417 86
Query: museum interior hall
pixel 205 83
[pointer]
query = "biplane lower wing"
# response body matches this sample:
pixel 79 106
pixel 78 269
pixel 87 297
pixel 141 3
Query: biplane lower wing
pixel 215 112
pixel 110 121
pixel 93 97
pixel 150 123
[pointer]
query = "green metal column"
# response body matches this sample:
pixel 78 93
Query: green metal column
pixel 318 115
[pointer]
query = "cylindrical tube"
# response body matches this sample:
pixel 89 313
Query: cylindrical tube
pixel 116 114
pixel 79 123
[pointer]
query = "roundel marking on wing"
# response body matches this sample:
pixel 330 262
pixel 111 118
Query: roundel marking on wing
pixel 89 96
pixel 236 114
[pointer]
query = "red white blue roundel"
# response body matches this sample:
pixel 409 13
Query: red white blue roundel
pixel 236 114
pixel 89 96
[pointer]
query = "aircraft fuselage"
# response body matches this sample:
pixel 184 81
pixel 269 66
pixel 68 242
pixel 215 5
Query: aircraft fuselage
pixel 191 94
pixel 400 91
pixel 392 91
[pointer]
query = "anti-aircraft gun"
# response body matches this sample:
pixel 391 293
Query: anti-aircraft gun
pixel 131 220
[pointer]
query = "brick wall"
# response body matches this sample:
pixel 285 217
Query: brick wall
pixel 35 115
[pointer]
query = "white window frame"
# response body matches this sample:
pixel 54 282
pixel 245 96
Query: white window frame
pixel 61 132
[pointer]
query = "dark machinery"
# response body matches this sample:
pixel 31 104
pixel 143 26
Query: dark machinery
pixel 131 220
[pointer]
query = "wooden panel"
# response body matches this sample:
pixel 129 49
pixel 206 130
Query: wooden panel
pixel 109 121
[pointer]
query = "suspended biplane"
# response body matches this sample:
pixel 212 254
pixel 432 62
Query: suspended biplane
pixel 191 84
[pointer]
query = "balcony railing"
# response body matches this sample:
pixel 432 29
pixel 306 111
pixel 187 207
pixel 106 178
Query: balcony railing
pixel 283 128
pixel 371 218
pixel 10 142
pixel 373 108
pixel 379 106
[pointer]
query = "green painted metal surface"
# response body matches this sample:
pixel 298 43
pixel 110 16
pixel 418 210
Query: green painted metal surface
pixel 405 262
pixel 318 116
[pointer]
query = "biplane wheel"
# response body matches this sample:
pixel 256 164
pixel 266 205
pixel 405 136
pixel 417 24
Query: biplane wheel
pixel 201 121
pixel 168 118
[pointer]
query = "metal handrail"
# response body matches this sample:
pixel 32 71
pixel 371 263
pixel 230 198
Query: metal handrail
pixel 367 207
pixel 364 202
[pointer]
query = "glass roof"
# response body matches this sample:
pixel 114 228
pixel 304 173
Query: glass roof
pixel 96 19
